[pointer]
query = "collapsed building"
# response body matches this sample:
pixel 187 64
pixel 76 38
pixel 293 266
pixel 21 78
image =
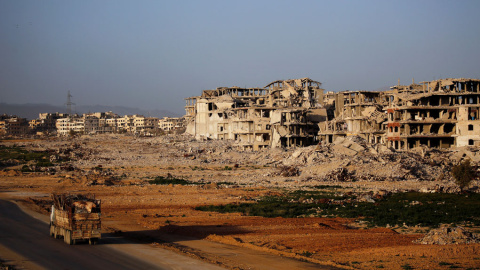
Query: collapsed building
pixel 284 113
pixel 357 113
pixel 440 114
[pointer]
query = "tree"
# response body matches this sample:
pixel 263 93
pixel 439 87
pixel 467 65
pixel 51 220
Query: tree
pixel 463 174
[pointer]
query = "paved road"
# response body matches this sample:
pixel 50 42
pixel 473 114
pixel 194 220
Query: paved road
pixel 25 237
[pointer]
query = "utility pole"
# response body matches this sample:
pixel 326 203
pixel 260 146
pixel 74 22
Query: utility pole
pixel 69 104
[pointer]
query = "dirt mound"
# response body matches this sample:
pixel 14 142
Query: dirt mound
pixel 445 236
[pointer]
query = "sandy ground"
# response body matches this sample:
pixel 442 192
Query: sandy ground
pixel 130 205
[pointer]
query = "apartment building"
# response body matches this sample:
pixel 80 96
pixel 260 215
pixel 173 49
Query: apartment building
pixel 171 123
pixel 100 123
pixel 358 113
pixel 284 113
pixel 70 124
pixel 441 113
pixel 13 126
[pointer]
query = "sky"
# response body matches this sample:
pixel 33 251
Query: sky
pixel 153 54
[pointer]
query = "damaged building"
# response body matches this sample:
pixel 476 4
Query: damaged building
pixel 358 113
pixel 440 114
pixel 284 113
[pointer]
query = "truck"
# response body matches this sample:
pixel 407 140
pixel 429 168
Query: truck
pixel 76 217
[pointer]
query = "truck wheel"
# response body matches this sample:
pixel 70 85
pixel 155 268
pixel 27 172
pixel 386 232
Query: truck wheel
pixel 92 241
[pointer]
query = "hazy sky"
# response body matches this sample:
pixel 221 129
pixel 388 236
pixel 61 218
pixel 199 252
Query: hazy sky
pixel 153 54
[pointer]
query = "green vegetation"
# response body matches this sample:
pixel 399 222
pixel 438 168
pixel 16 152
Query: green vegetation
pixel 426 209
pixel 170 180
pixel 463 174
pixel 327 186
pixel 21 154
pixel 307 254
pixel 10 156
pixel 227 183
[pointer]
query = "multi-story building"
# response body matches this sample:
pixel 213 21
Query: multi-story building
pixel 13 126
pixel 257 117
pixel 439 113
pixel 171 123
pixel 126 124
pixel 145 125
pixel 357 113
pixel 70 124
pixel 99 123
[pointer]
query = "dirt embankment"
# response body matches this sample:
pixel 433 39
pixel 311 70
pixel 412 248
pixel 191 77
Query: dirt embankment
pixel 116 169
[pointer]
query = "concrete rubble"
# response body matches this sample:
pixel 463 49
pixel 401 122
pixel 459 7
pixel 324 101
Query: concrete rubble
pixel 447 236
pixel 98 160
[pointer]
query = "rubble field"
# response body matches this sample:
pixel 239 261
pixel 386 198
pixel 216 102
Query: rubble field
pixel 120 170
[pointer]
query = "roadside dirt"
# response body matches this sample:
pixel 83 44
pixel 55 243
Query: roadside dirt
pixel 151 212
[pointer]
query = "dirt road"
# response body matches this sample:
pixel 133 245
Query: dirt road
pixel 25 242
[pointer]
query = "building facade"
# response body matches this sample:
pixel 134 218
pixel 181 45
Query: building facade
pixel 284 113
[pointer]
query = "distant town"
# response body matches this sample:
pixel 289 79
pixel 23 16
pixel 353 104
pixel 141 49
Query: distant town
pixel 65 124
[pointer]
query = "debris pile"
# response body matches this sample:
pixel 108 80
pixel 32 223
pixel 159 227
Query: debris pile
pixel 288 171
pixel 103 159
pixel 354 159
pixel 340 175
pixel 446 236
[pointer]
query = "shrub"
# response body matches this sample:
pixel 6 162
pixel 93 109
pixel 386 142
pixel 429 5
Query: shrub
pixel 170 179
pixel 26 168
pixel 463 174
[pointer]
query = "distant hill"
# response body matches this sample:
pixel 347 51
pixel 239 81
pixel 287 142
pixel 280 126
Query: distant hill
pixel 31 111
